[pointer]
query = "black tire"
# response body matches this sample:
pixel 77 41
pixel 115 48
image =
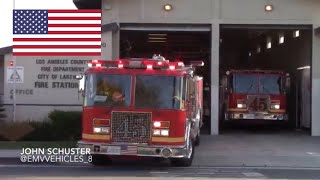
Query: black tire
pixel 100 160
pixel 186 161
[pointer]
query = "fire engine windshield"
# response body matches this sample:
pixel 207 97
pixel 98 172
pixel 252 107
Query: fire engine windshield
pixel 245 83
pixel 159 92
pixel 270 84
pixel 110 90
pixel 257 83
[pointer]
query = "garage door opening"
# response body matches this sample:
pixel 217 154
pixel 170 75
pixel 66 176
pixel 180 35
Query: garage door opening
pixel 265 78
pixel 186 44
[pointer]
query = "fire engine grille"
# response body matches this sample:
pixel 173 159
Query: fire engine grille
pixel 258 103
pixel 130 127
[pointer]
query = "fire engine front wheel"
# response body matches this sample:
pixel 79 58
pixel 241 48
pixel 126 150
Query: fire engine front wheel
pixel 186 161
pixel 100 160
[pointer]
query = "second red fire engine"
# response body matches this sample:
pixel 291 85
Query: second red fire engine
pixel 255 94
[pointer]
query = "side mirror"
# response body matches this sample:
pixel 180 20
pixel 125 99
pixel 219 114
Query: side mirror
pixel 81 83
pixel 79 77
pixel 197 63
pixel 287 83
pixel 225 83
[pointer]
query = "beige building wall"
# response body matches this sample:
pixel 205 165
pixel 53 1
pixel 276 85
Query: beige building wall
pixel 315 123
pixel 217 12
pixel 48 83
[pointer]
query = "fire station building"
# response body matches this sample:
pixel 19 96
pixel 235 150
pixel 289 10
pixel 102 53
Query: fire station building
pixel 225 34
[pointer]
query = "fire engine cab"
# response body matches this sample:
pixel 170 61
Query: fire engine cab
pixel 255 94
pixel 141 107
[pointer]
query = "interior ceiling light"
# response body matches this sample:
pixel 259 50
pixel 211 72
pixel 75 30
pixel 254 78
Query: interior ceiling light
pixel 269 43
pixel 281 39
pixel 167 7
pixel 296 33
pixel 152 34
pixel 268 7
pixel 154 41
pixel 258 49
pixel 158 38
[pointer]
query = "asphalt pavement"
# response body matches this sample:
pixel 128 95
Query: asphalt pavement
pixel 140 172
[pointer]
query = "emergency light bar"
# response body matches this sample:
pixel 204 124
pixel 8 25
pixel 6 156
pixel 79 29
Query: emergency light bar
pixel 137 64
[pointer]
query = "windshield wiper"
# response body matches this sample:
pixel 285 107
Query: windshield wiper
pixel 249 88
pixel 267 90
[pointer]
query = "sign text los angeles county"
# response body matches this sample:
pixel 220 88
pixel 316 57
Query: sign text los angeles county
pixel 60 72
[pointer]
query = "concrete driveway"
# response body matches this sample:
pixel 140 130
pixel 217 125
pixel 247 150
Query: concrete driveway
pixel 276 149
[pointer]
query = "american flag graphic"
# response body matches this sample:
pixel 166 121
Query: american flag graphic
pixel 129 150
pixel 56 32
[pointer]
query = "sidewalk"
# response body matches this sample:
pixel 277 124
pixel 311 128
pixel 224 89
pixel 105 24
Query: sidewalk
pixel 234 150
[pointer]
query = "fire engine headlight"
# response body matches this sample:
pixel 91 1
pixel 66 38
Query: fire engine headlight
pixel 104 130
pixel 164 132
pixel 241 105
pixel 275 106
pixel 161 132
pixel 97 130
pixel 157 124
pixel 157 132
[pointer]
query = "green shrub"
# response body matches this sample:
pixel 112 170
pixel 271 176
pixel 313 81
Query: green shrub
pixel 42 132
pixel 61 126
pixel 66 125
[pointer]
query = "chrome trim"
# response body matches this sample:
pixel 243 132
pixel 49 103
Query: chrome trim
pixel 143 150
pixel 264 116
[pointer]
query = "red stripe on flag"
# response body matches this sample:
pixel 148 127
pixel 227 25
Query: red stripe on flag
pixel 74 25
pixel 74 18
pixel 56 46
pixel 74 32
pixel 74 11
pixel 56 54
pixel 55 39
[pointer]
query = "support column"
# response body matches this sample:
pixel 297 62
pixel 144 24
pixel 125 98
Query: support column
pixel 116 44
pixel 315 120
pixel 214 87
pixel 106 45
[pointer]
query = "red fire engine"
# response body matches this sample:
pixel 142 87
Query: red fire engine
pixel 142 107
pixel 255 94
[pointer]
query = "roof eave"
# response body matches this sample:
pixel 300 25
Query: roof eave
pixel 87 4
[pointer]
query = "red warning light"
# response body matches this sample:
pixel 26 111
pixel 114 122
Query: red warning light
pixel 11 63
pixel 149 66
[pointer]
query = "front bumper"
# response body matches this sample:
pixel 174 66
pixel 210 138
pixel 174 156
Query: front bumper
pixel 135 150
pixel 263 116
